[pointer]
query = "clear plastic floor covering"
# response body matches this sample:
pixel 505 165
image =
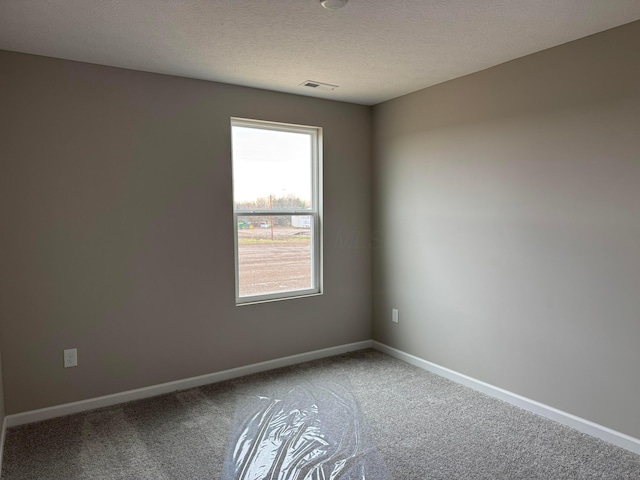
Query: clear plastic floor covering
pixel 313 431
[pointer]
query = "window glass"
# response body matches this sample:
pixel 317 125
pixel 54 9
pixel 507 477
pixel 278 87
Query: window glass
pixel 276 198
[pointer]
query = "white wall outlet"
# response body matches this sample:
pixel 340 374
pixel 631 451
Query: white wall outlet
pixel 71 358
pixel 394 315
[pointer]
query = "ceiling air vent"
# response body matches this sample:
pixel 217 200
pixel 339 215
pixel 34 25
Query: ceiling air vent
pixel 318 85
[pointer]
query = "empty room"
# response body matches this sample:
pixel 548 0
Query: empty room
pixel 304 239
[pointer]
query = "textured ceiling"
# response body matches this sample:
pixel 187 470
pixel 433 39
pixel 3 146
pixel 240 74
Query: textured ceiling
pixel 373 49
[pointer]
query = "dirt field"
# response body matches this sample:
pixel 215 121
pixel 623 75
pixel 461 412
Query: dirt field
pixel 270 266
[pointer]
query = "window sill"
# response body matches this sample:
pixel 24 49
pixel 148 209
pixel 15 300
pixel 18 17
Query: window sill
pixel 257 301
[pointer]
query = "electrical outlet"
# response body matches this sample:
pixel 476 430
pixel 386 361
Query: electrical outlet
pixel 394 315
pixel 71 358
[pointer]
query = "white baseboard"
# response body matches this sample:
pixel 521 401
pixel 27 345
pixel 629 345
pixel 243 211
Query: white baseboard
pixel 3 433
pixel 152 391
pixel 585 426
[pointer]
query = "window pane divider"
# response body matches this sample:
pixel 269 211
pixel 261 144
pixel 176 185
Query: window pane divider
pixel 273 213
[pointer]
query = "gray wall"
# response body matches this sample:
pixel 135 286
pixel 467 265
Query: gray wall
pixel 507 226
pixel 115 199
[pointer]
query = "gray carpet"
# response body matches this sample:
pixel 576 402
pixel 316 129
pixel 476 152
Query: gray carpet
pixel 419 425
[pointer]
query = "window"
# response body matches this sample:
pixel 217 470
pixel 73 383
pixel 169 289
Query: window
pixel 277 209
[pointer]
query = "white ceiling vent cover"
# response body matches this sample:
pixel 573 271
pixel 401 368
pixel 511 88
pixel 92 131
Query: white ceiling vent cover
pixel 318 85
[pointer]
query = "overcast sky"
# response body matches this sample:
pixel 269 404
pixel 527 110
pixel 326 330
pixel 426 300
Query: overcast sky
pixel 269 162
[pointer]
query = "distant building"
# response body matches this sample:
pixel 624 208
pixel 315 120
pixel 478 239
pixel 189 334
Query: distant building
pixel 301 221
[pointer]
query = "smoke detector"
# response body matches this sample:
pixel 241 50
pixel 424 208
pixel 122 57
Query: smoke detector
pixel 318 85
pixel 333 4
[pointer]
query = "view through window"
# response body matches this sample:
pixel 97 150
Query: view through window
pixel 276 199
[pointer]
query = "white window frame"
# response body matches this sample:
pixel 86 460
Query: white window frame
pixel 315 213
